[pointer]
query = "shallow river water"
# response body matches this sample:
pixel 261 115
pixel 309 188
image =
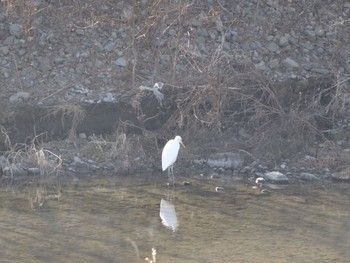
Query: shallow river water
pixel 127 218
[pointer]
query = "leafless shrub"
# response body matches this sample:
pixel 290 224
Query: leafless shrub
pixel 339 101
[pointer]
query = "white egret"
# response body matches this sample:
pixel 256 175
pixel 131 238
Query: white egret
pixel 169 155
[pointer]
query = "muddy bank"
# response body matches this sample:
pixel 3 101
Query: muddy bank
pixel 24 123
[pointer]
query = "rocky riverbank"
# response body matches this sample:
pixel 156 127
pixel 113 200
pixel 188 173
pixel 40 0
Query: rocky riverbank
pixel 268 77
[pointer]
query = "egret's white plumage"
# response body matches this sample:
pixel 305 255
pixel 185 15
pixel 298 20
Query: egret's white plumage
pixel 169 154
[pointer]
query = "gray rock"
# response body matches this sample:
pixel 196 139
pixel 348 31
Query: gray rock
pixel 308 177
pixel 226 160
pixel 196 22
pixel 21 52
pixel 269 37
pixel 319 31
pixel 33 171
pixel 59 60
pixel 321 71
pixel 80 32
pixel 310 34
pixel 99 64
pixel 331 35
pixel 110 46
pixel 276 177
pixel 165 59
pixel 82 136
pixel 290 63
pixel 76 160
pixel 274 63
pixel 109 97
pixel 83 54
pixel 272 3
pixel 4 50
pixel 231 35
pixel 4 162
pixel 320 50
pixel 104 8
pixel 293 40
pixel 9 41
pixel 28 73
pixel 172 32
pixel 309 158
pixel 82 167
pixel 61 80
pixel 255 45
pixel 121 62
pixel 343 175
pixel 283 42
pixel 308 46
pixel 19 97
pixel 5 72
pixel 203 32
pixel 2 18
pixel 272 47
pixel 14 170
pixel 3 31
pixel 44 64
pixel 16 30
pixel 261 66
pixel 227 46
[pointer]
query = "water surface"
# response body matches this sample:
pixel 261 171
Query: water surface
pixel 117 219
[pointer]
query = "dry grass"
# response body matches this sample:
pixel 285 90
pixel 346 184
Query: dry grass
pixel 118 149
pixel 109 149
pixel 70 114
pixel 19 158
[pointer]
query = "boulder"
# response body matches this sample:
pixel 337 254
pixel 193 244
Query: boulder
pixel 276 177
pixel 226 160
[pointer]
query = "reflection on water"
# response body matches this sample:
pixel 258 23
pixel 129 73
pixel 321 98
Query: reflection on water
pixel 123 219
pixel 168 215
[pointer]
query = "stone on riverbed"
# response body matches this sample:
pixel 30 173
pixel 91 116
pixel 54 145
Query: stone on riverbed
pixel 308 177
pixel 343 175
pixel 276 177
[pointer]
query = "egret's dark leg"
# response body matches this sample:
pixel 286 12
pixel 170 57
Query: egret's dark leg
pixel 171 174
pixel 172 171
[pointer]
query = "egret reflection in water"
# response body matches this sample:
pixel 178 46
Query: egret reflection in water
pixel 168 215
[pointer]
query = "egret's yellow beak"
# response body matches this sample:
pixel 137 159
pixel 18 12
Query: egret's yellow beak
pixel 183 145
